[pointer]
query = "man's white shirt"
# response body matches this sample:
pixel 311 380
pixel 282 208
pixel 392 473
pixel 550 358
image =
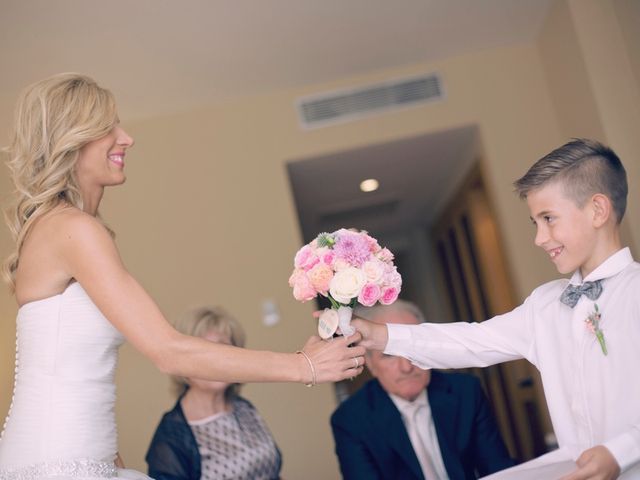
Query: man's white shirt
pixel 421 424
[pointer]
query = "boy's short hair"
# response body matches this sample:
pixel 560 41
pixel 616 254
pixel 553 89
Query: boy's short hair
pixel 585 167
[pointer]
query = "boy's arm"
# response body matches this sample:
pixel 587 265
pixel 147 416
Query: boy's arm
pixel 461 345
pixel 609 460
pixel 624 448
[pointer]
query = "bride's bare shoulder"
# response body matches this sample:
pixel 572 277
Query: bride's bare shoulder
pixel 65 220
pixel 61 230
pixel 54 238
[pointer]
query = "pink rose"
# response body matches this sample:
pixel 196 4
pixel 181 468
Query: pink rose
pixel 302 288
pixel 329 258
pixel 392 278
pixel 294 276
pixel 320 276
pixel 389 295
pixel 369 295
pixel 325 255
pixel 385 255
pixel 305 258
pixel 373 243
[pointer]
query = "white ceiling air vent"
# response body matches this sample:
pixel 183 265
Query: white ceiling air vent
pixel 340 106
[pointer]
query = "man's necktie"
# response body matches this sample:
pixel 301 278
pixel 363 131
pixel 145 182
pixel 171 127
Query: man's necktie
pixel 572 293
pixel 415 423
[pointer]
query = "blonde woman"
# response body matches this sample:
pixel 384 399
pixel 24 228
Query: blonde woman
pixel 212 432
pixel 78 302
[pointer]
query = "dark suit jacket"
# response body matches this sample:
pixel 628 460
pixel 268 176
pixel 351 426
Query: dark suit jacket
pixel 372 442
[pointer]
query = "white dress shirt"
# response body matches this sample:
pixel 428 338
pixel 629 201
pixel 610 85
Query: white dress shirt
pixel 418 421
pixel 593 399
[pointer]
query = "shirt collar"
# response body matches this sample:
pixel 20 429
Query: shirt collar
pixel 610 267
pixel 405 406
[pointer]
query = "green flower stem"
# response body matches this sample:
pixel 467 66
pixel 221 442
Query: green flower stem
pixel 335 305
pixel 600 337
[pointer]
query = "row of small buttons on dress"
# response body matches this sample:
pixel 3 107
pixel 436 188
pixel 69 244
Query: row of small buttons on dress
pixel 15 383
pixel 73 468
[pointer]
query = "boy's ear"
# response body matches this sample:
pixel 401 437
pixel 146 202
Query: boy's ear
pixel 601 209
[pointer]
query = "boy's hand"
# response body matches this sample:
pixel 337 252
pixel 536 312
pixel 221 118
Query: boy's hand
pixel 374 335
pixel 596 463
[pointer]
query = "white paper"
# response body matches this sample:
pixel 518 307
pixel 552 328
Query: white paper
pixel 550 466
pixel 328 323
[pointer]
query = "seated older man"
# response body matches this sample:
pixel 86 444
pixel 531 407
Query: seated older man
pixel 409 423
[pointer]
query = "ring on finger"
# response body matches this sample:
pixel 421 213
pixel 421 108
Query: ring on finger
pixel 357 362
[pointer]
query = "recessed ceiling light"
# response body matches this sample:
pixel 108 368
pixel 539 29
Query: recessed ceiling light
pixel 369 185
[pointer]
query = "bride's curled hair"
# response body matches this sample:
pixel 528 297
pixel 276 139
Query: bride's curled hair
pixel 54 119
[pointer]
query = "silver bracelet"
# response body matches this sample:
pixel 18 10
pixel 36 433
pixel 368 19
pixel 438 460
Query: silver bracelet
pixel 313 370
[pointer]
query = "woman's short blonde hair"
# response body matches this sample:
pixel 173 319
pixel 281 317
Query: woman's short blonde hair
pixel 202 320
pixel 54 119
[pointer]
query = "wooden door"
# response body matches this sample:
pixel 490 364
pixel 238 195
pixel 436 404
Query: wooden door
pixel 476 286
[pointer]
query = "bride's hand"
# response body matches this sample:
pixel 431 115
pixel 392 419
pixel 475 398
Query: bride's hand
pixel 332 360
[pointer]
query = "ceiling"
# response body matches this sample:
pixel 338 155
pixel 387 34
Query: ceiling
pixel 413 174
pixel 161 56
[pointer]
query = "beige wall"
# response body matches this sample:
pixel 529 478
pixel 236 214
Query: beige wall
pixel 588 56
pixel 225 166
pixel 628 16
pixel 7 308
pixel 207 216
pixel 616 89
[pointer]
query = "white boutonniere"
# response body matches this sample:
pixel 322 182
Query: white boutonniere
pixel 593 324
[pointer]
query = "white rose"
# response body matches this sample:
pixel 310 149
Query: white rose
pixel 340 264
pixel 346 284
pixel 374 270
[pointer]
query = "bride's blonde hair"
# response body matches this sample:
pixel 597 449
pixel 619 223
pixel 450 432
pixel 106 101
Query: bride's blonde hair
pixel 54 119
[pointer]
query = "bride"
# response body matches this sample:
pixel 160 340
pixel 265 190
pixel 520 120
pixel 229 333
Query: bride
pixel 78 302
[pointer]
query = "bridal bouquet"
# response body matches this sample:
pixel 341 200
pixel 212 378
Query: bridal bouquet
pixel 349 268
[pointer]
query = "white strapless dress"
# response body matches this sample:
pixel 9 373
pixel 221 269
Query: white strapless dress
pixel 61 424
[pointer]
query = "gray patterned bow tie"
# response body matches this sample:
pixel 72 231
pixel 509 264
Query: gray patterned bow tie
pixel 572 293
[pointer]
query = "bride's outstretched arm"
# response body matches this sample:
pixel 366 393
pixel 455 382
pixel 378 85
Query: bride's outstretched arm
pixel 91 257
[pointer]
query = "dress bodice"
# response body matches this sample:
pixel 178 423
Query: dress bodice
pixel 62 412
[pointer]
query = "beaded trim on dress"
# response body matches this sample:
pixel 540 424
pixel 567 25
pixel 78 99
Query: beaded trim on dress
pixel 72 468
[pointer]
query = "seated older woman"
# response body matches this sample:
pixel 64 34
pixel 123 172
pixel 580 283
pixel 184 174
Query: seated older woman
pixel 212 432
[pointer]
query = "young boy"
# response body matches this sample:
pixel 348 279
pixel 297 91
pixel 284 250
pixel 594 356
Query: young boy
pixel 582 334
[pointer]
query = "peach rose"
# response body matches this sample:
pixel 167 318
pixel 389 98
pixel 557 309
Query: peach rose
pixel 320 276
